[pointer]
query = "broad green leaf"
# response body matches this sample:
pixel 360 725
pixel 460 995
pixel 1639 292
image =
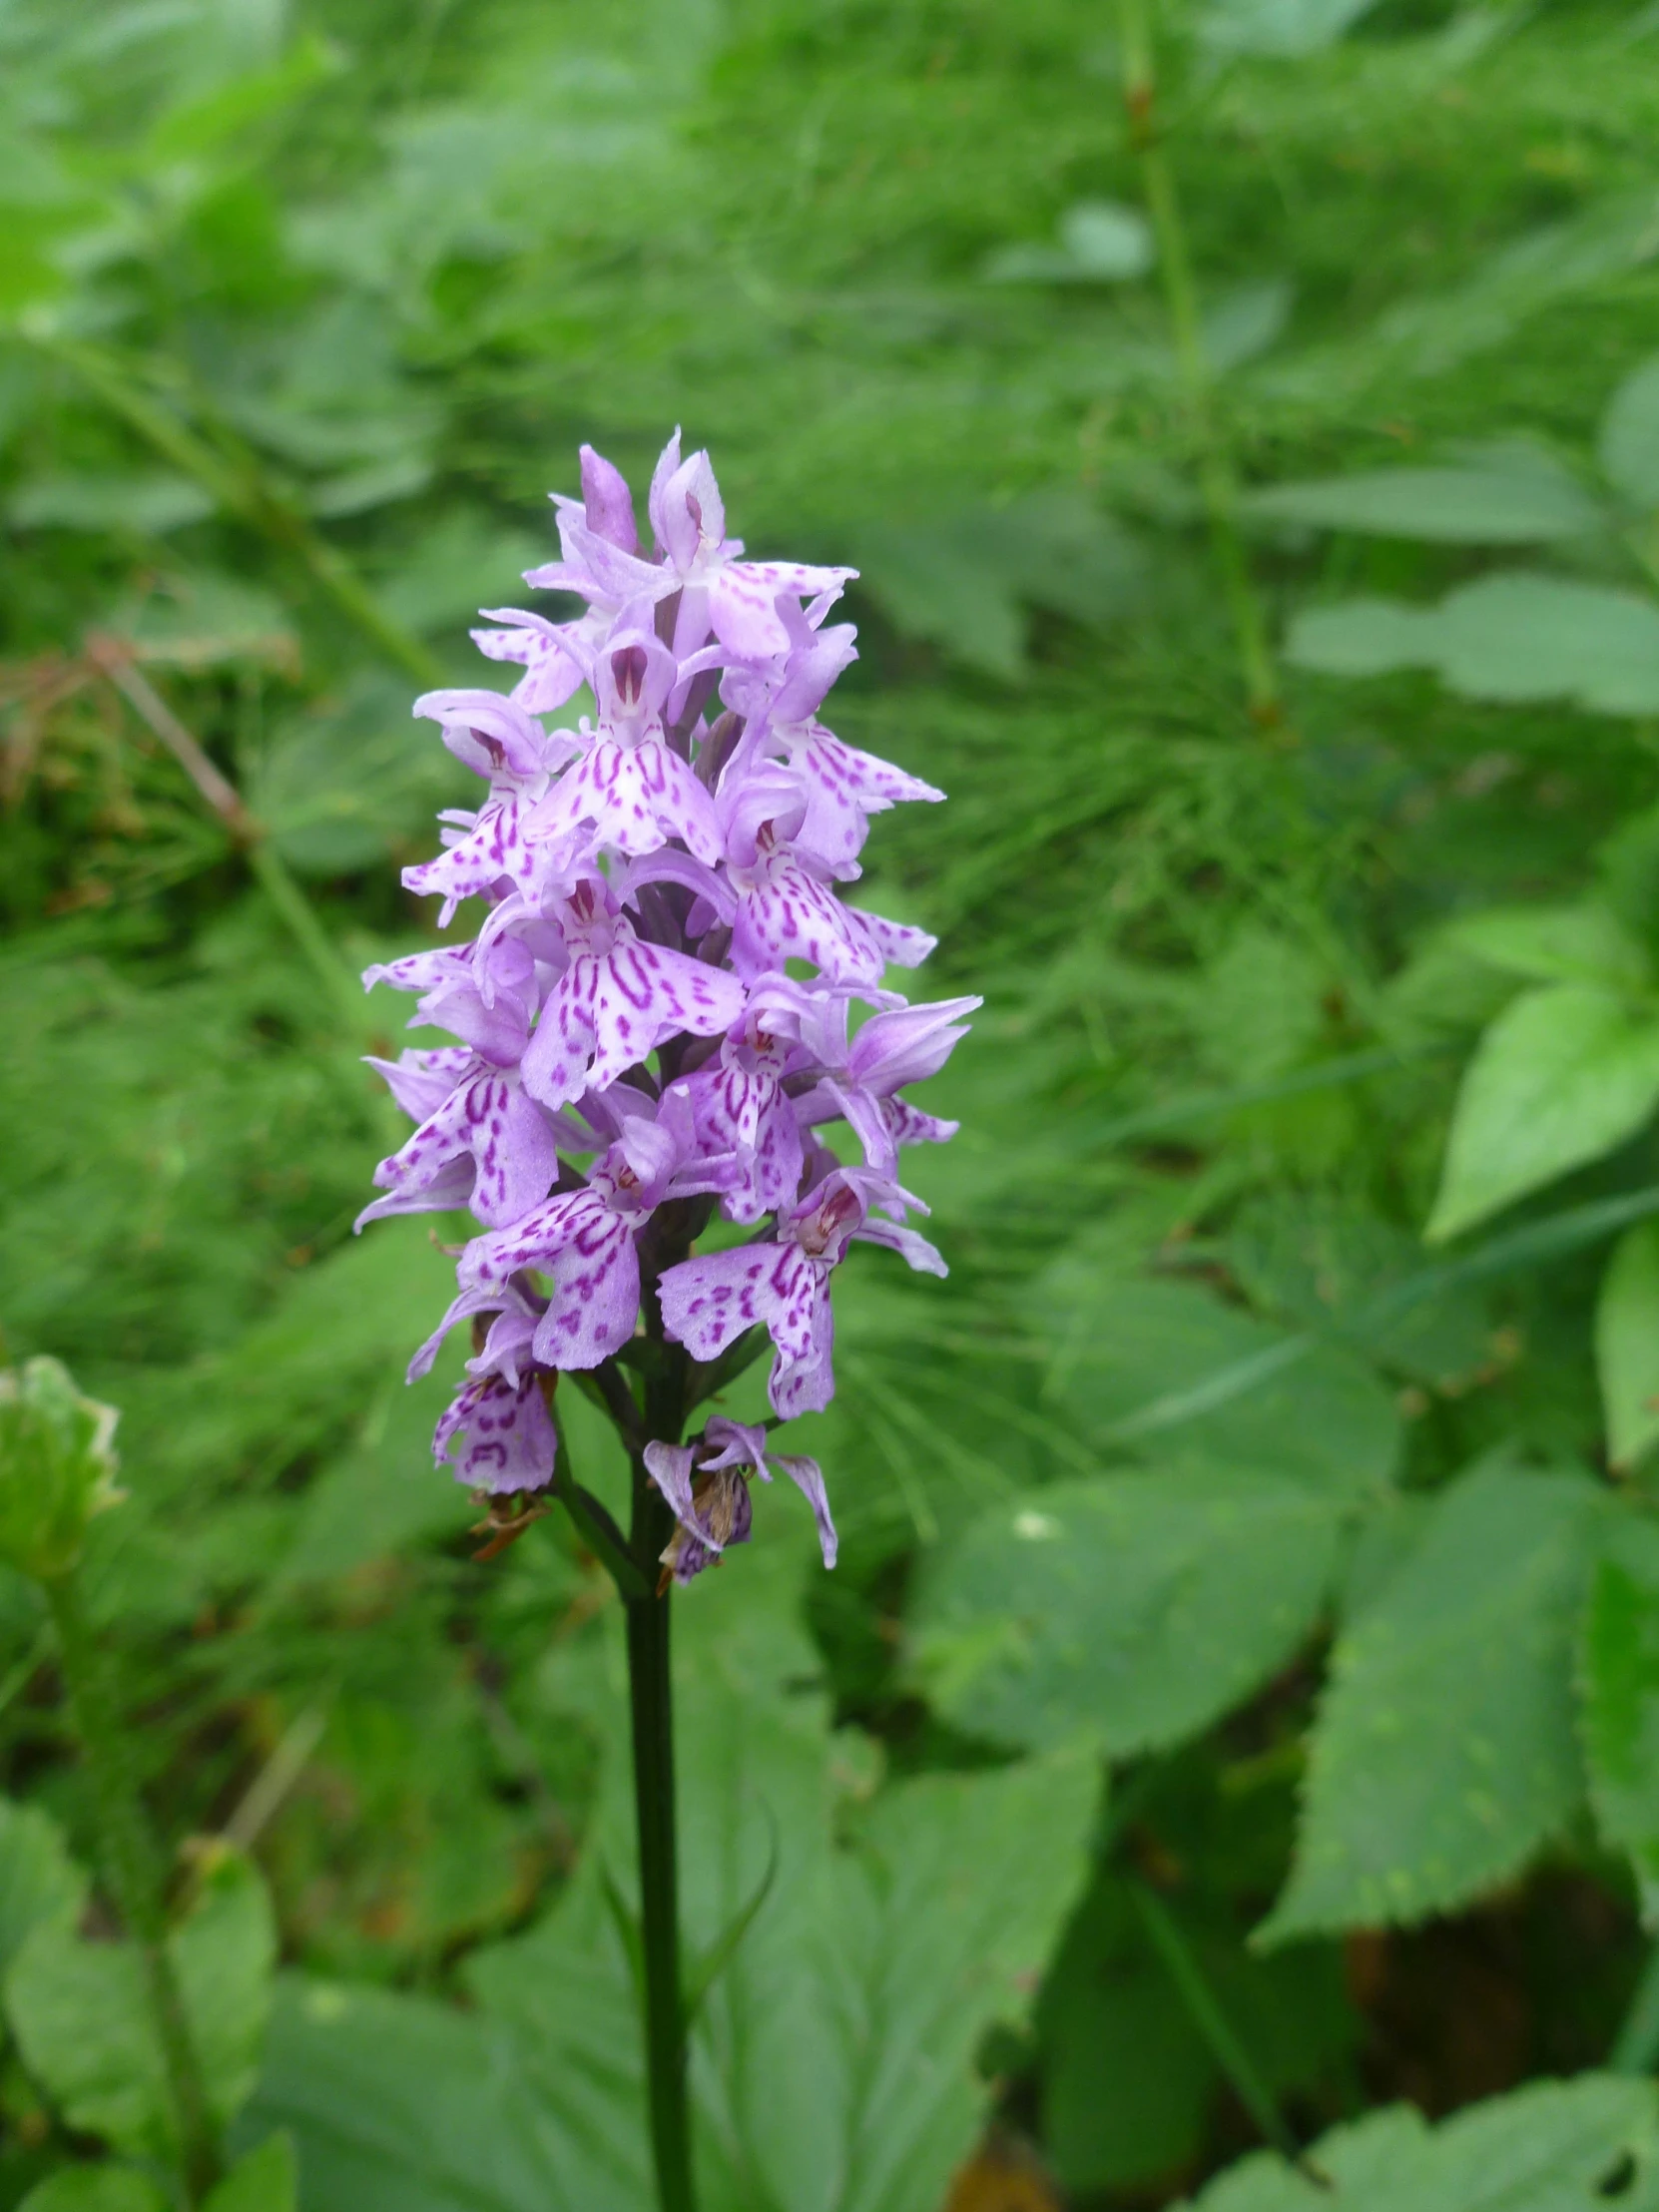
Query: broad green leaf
pixel 1167 1368
pixel 95 2189
pixel 1619 1680
pixel 1507 638
pixel 1525 506
pixel 1628 441
pixel 81 2014
pixel 1129 1609
pixel 40 1884
pixel 1553 2146
pixel 1565 1074
pixel 1443 1753
pixel 1627 1343
pixel 266 2180
pixel 400 2104
pixel 1554 944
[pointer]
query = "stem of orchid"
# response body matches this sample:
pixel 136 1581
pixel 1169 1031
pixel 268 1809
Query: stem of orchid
pixel 131 1866
pixel 651 1702
pixel 1217 479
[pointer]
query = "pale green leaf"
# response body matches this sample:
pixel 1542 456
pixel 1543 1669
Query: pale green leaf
pixel 95 2189
pixel 150 503
pixel 1554 944
pixel 1620 1682
pixel 1286 28
pixel 1628 442
pixel 1460 506
pixel 40 1884
pixel 1100 242
pixel 1445 1753
pixel 1553 2146
pixel 1565 1074
pixel 1129 1609
pixel 1627 1343
pixel 81 2014
pixel 1506 638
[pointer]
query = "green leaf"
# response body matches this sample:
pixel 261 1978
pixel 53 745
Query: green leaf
pixel 1527 504
pixel 401 2104
pixel 1565 1074
pixel 266 2180
pixel 1619 1680
pixel 1100 242
pixel 1553 2146
pixel 149 503
pixel 1284 28
pixel 1137 1359
pixel 1627 1343
pixel 1554 944
pixel 1132 1609
pixel 1443 1753
pixel 95 2189
pixel 40 1884
pixel 1507 637
pixel 81 2014
pixel 1628 442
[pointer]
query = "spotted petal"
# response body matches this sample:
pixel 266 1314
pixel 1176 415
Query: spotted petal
pixel 508 1442
pixel 607 1011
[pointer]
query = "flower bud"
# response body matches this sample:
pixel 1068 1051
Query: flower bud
pixel 57 1468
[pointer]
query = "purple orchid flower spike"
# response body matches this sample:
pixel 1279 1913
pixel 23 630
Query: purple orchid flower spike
pixel 653 1022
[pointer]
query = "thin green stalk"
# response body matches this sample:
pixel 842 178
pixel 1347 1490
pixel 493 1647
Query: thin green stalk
pixel 1217 480
pixel 1212 2024
pixel 235 483
pixel 134 1874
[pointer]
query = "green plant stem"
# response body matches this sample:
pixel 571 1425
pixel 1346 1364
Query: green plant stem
pixel 652 1709
pixel 235 483
pixel 1217 480
pixel 132 1873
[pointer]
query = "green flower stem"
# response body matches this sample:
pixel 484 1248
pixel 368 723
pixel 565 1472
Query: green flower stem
pixel 132 1870
pixel 1217 480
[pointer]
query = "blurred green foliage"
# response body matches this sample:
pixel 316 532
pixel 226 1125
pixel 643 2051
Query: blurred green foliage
pixel 1330 1549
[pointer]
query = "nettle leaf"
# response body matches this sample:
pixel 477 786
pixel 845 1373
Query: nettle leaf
pixel 1443 1753
pixel 1528 502
pixel 1565 1074
pixel 1619 1680
pixel 1628 441
pixel 1130 1609
pixel 1554 2147
pixel 1508 638
pixel 1627 1343
pixel 40 1884
pixel 81 2015
pixel 95 2189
